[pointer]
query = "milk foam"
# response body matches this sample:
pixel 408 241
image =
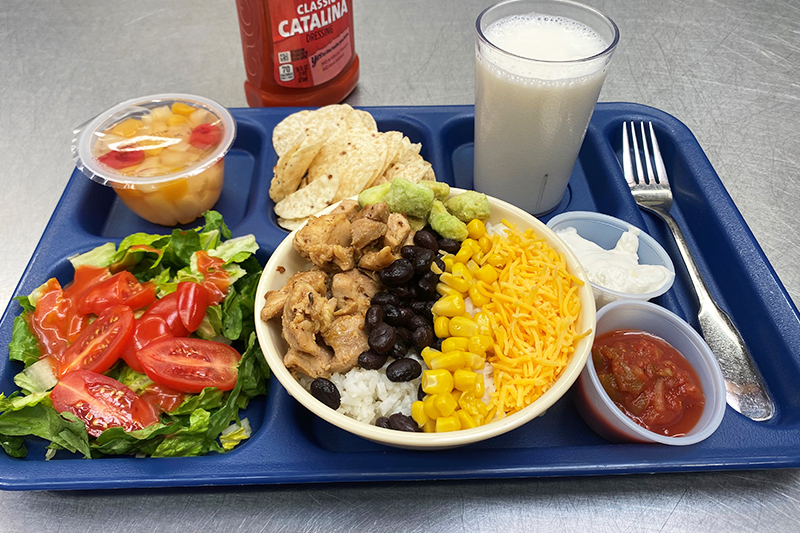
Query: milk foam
pixel 545 38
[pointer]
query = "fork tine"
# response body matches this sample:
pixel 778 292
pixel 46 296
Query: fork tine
pixel 626 157
pixel 650 177
pixel 639 171
pixel 661 170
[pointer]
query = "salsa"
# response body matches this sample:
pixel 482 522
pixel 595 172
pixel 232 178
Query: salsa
pixel 649 380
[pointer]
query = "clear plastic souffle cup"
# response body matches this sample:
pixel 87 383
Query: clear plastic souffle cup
pixel 163 154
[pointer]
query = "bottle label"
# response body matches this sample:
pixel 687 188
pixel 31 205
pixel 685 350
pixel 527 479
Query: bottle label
pixel 312 40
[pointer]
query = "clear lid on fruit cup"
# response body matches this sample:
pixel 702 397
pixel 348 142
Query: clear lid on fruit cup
pixel 87 136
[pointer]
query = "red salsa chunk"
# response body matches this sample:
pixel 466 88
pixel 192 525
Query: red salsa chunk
pixel 649 380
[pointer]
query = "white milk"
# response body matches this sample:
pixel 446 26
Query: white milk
pixel 532 106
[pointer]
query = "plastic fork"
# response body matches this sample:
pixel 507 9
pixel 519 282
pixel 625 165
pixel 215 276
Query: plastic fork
pixel 746 391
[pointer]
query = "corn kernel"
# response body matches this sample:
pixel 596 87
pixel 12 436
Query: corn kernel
pixel 428 354
pixel 456 282
pixel 464 380
pixel 429 407
pixel 456 394
pixel 418 413
pixel 472 243
pixel 446 290
pixel 474 361
pixel 461 326
pixel 462 270
pixel 179 108
pixel 447 423
pixel 487 274
pixel 486 244
pixel 480 386
pixel 437 381
pixel 175 120
pixel 464 254
pixel 448 260
pixel 473 267
pixel 467 421
pixel 127 128
pixel 445 404
pixel 450 361
pixel 450 344
pixel 479 299
pixel 452 306
pixel 496 260
pixel 430 426
pixel 441 326
pixel 476 229
pixel 435 269
pixel 484 324
pixel 479 344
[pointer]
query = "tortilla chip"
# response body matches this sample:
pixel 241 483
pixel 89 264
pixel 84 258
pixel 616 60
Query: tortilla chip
pixel 361 159
pixel 287 133
pixel 308 200
pixel 293 165
pixel 362 119
pixel 292 224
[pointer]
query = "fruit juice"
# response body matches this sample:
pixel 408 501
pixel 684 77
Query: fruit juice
pixel 537 79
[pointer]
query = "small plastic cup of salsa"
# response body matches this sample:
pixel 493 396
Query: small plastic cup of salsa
pixel 163 154
pixel 608 419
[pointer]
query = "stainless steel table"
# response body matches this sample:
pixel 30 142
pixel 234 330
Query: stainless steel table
pixel 726 69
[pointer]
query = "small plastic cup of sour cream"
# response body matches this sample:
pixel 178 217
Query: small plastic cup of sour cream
pixel 163 154
pixel 607 419
pixel 605 231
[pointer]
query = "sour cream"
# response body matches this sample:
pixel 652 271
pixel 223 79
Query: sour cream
pixel 617 269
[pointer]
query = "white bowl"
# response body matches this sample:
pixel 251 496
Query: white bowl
pixel 605 231
pixel 608 420
pixel 285 261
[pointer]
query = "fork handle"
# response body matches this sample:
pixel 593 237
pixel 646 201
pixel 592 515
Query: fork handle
pixel 745 388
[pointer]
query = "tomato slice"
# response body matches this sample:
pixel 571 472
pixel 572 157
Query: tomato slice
pixel 192 304
pixel 119 160
pixel 162 398
pixel 215 279
pixel 101 343
pixel 101 402
pixel 205 136
pixel 167 308
pixel 121 288
pixel 190 365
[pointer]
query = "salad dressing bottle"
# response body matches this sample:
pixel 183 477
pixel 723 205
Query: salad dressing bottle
pixel 297 52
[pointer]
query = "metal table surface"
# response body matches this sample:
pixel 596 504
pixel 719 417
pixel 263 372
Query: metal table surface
pixel 728 70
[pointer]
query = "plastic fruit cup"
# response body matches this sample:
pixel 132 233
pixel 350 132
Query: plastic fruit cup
pixel 608 420
pixel 605 231
pixel 176 181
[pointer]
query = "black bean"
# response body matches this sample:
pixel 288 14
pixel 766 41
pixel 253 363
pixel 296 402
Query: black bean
pixel 437 345
pixel 402 422
pixel 402 370
pixel 427 285
pixel 399 350
pixel 410 251
pixel 426 240
pixel 400 271
pixel 405 316
pixel 373 317
pixel 422 261
pixel 440 263
pixel 420 393
pixel 423 337
pixel 417 322
pixel 450 246
pixel 403 333
pixel 325 391
pixel 383 298
pixel 405 293
pixel 391 315
pixel 372 360
pixel 420 308
pixel 382 338
pixel 383 422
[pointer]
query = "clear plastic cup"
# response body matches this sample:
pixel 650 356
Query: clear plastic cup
pixel 605 231
pixel 608 420
pixel 163 154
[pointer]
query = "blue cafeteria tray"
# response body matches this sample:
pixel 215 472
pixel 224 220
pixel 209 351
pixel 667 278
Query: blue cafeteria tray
pixel 290 445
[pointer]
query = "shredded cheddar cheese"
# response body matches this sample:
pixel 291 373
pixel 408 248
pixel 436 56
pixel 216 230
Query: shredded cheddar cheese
pixel 533 311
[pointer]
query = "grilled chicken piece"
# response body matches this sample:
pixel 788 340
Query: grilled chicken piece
pixel 274 300
pixel 365 231
pixel 378 212
pixel 347 207
pixel 397 231
pixel 306 313
pixel 305 363
pixel 353 292
pixel 325 241
pixel 377 260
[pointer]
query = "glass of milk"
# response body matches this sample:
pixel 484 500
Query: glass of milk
pixel 539 68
